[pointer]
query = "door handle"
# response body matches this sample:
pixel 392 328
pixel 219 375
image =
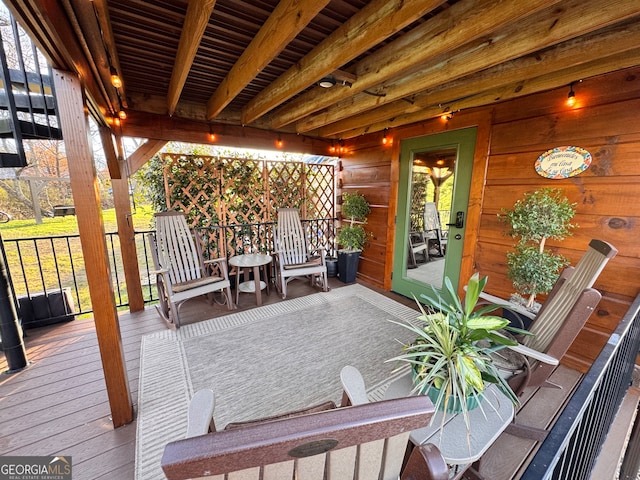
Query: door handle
pixel 459 221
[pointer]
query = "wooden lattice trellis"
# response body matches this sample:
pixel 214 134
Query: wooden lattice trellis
pixel 243 195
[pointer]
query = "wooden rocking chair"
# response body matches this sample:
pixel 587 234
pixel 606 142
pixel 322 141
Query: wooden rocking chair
pixel 293 256
pixel 433 234
pixel 181 272
pixel 564 313
pixel 368 442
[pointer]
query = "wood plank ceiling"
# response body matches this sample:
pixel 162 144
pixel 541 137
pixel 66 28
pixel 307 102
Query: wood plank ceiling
pixel 258 62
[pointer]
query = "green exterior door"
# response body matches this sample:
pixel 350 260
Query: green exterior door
pixel 435 176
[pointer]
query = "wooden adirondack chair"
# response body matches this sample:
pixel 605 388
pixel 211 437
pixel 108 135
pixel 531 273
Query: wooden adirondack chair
pixel 369 441
pixel 293 256
pixel 564 313
pixel 181 272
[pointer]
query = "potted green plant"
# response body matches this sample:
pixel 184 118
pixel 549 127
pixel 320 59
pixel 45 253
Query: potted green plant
pixel 450 357
pixel 540 215
pixel 352 237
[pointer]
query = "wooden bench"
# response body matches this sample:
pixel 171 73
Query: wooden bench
pixel 63 210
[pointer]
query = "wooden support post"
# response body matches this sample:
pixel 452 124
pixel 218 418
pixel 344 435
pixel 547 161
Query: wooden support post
pixel 86 196
pixel 126 232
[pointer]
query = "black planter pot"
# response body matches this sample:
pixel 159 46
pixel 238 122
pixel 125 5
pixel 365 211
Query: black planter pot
pixel 332 266
pixel 348 266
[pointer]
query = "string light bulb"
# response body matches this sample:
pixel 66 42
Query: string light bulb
pixel 385 140
pixel 571 96
pixel 212 135
pixel 116 81
pixel 279 142
pixel 332 148
pixel 122 114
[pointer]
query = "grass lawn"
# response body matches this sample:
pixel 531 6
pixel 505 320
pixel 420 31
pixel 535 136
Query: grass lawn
pixel 42 263
pixel 142 220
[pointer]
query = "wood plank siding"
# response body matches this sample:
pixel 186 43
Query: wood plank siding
pixel 511 135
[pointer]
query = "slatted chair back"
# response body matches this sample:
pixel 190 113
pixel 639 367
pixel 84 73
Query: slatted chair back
pixel 433 227
pixel 290 237
pixel 293 256
pixel 180 269
pixel 176 248
pixel 575 283
pixel 367 442
pixel 431 218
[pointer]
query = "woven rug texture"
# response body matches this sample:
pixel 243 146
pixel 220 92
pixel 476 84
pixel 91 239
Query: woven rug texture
pixel 263 361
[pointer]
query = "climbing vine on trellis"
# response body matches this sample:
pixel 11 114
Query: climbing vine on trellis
pixel 241 192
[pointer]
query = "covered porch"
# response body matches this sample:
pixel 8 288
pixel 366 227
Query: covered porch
pixel 251 76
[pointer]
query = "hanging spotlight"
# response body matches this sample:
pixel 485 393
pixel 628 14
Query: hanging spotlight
pixel 116 81
pixel 279 143
pixel 327 82
pixel 571 96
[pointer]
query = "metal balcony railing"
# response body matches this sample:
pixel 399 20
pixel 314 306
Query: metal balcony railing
pixel 574 443
pixel 43 266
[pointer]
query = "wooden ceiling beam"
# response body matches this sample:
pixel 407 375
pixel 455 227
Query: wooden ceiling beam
pixel 92 18
pixel 549 81
pixel 161 127
pixel 288 19
pixel 543 30
pixel 568 54
pixel 462 23
pixel 372 24
pixel 143 153
pixel 195 24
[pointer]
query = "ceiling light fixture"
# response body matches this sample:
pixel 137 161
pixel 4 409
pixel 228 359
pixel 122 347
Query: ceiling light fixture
pixel 115 78
pixel 327 82
pixel 571 96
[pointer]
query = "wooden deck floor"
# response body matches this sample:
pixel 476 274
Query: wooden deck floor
pixel 58 405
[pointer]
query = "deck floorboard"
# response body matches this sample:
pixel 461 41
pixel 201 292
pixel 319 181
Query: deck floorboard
pixel 59 404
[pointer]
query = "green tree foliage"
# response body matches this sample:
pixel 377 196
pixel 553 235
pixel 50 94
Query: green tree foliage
pixel 543 214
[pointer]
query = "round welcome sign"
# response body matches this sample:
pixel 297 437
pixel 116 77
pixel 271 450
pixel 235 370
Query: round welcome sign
pixel 563 162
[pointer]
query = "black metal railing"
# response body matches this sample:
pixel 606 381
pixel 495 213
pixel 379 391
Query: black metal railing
pixel 573 444
pixel 42 266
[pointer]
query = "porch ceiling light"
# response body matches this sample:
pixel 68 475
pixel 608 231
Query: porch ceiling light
pixel 327 82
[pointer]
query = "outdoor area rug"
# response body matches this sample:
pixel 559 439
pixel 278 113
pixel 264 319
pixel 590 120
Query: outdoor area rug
pixel 263 361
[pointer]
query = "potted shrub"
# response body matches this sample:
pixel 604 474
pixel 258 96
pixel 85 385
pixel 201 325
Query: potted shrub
pixel 352 237
pixel 450 356
pixel 543 214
